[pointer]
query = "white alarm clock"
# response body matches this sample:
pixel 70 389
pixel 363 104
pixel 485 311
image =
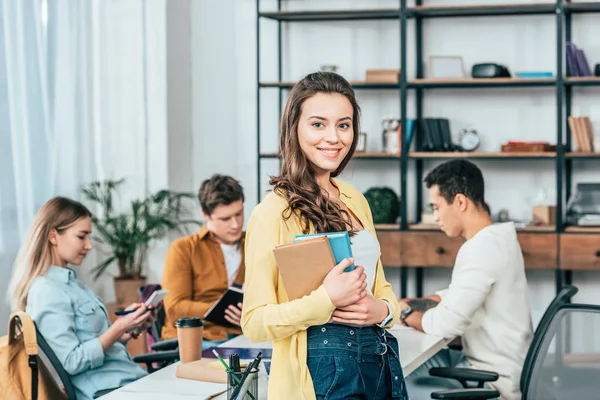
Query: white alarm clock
pixel 468 139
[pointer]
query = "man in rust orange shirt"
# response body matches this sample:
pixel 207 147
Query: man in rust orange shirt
pixel 199 268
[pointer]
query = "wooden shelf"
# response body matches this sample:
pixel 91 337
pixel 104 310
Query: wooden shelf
pixel 538 228
pixel 483 82
pixel 481 10
pixel 482 155
pixel 424 227
pixel 582 7
pixel 359 85
pixel 357 155
pixel 582 229
pixel 533 228
pixel 387 227
pixel 333 15
pixel 475 10
pixel 581 155
pixel 375 156
pixel 582 81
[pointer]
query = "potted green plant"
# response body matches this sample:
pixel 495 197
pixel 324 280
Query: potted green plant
pixel 128 235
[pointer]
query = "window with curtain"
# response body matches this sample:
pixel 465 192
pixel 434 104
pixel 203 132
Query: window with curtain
pixel 74 105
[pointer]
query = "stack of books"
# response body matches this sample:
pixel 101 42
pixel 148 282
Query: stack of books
pixel 582 134
pixel 577 64
pixel 304 263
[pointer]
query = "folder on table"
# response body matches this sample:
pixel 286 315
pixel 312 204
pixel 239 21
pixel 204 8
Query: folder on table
pixel 303 265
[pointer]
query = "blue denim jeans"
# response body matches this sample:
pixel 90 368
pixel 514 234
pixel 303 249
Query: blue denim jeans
pixel 354 363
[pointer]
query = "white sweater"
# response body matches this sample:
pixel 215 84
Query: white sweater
pixel 486 303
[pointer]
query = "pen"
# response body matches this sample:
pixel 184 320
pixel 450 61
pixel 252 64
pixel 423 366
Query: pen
pixel 236 363
pixel 235 378
pixel 249 368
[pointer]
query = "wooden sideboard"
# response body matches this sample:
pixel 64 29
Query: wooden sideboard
pixel 566 251
pixel 561 252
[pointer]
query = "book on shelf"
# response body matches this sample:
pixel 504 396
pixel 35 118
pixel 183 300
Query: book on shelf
pixel 577 63
pixel 435 135
pixel 582 134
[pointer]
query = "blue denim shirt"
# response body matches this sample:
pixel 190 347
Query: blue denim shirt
pixel 70 317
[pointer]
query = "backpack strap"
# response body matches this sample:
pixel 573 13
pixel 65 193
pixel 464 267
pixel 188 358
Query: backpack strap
pixel 28 332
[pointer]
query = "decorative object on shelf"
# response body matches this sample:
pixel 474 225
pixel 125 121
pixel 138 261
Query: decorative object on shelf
pixel 527 147
pixel 390 137
pixel 582 134
pixel 489 70
pixel 468 139
pixel 329 68
pixel 427 217
pixel 128 236
pixel 583 208
pixel 534 74
pixel 502 216
pixel 382 76
pixel 384 204
pixel 361 146
pixel 446 67
pixel 544 215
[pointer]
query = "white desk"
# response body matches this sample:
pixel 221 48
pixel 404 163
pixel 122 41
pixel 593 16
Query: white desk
pixel 415 348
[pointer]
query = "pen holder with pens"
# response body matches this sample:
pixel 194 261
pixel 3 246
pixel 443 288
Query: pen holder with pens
pixel 249 385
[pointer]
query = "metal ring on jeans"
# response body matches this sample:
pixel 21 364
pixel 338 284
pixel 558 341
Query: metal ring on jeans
pixel 385 349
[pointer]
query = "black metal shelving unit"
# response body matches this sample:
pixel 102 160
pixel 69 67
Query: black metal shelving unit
pixel 562 10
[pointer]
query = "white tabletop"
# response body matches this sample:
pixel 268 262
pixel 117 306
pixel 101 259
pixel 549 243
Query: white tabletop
pixel 415 348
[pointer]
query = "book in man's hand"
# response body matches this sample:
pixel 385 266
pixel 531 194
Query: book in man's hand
pixel 216 314
pixel 303 265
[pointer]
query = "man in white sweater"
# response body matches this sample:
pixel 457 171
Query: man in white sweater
pixel 486 303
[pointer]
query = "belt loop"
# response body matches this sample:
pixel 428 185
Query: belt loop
pixel 385 346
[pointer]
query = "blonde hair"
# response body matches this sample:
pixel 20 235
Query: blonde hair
pixel 35 254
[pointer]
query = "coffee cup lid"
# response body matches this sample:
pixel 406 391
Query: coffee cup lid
pixel 189 322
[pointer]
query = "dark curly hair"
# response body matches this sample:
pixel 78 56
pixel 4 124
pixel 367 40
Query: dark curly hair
pixel 296 181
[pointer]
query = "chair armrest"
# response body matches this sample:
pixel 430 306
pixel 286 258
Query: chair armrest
pixel 159 356
pixel 466 394
pixel 169 344
pixel 464 375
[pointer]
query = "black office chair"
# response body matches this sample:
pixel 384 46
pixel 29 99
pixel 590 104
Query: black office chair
pixel 48 354
pixel 466 375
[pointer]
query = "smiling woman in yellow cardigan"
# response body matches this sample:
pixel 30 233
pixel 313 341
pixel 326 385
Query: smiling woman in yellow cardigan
pixel 318 137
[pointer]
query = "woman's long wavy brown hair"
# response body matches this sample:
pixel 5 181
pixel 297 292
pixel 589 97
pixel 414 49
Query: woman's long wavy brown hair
pixel 297 181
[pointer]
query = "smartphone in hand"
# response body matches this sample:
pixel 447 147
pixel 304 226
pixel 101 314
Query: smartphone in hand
pixel 152 303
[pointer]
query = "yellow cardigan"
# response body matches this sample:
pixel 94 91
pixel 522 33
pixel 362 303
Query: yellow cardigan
pixel 268 314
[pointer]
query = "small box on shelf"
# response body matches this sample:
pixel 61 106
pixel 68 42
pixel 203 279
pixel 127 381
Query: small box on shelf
pixel 382 76
pixel 545 215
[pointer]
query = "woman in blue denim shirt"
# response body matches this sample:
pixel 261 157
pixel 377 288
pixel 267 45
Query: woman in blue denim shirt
pixel 71 318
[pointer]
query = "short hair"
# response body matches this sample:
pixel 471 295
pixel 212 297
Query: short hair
pixel 459 177
pixel 219 190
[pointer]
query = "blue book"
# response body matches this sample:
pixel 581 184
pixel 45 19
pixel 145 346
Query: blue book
pixel 339 242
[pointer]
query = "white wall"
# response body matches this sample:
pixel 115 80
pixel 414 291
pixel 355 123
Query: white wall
pixel 224 93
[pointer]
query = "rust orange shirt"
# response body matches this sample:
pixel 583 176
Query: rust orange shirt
pixel 195 276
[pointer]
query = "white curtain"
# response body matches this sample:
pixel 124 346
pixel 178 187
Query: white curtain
pixel 75 78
